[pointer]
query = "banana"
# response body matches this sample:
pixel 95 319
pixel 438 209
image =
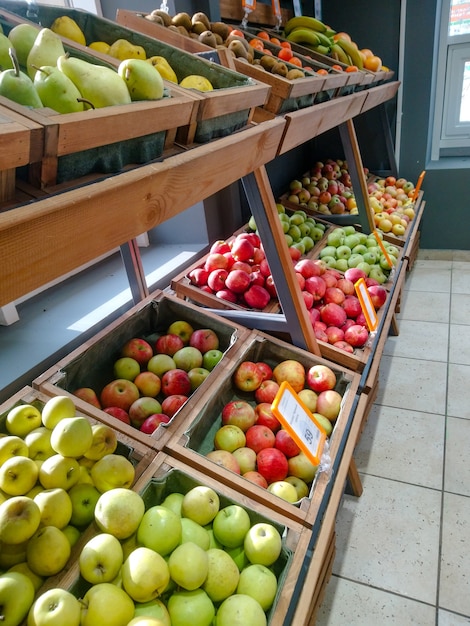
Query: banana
pixel 304 22
pixel 339 54
pixel 324 40
pixel 304 35
pixel 352 52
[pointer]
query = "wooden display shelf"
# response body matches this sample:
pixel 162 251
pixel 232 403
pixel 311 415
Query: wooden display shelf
pixel 193 437
pixel 380 94
pixel 91 364
pixel 77 215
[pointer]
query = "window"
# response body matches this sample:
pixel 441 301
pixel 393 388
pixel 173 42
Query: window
pixel 451 136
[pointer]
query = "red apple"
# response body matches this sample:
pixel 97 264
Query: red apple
pixel 224 458
pixel 226 294
pixel 215 261
pixel 87 394
pixel 198 276
pixel 320 378
pixel 308 299
pixel 272 464
pixel 118 413
pixel 142 408
pixel 354 274
pixel 246 458
pixel 346 286
pixel 314 315
pixel 333 314
pixel 242 249
pixel 257 278
pixel 238 281
pixel 241 265
pixel 138 349
pixel 176 382
pixel 334 334
pixel 266 417
pixel 292 371
pixel 256 478
pixel 371 281
pixel 152 422
pixel 259 437
pixel 168 344
pixel 334 294
pixel 300 280
pixel 347 324
pixel 230 260
pixel 286 444
pixel 239 413
pixel 267 391
pixel 217 278
pixel 204 339
pixel 344 345
pixel 307 268
pixel 320 334
pixel 329 404
pixel 316 286
pixel 119 392
pixel 172 404
pixel 356 335
pixel 247 376
pixel 220 246
pixel 331 277
pixel 257 297
pixel 258 255
pixel 270 286
pixel 295 253
pixel 378 295
pixel 352 306
pixel 266 370
pixel 148 384
pixel 264 268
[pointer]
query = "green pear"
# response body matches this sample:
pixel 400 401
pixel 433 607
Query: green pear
pixel 22 37
pixel 17 86
pixel 143 81
pixel 47 48
pixel 57 91
pixel 100 85
pixel 5 61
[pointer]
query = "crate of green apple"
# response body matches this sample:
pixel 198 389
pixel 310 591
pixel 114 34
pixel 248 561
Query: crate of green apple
pixel 138 372
pixel 184 549
pixel 235 436
pixel 55 463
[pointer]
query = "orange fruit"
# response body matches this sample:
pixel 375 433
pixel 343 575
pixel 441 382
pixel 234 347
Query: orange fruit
pixel 322 72
pixel 296 61
pixel 373 63
pixel 256 43
pixel 285 54
pixel 336 67
pixel 342 35
pixel 275 41
pixel 366 53
pixel 286 44
pixel 263 35
pixel 237 32
pixel 352 68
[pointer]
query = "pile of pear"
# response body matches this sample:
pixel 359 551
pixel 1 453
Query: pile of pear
pixel 37 72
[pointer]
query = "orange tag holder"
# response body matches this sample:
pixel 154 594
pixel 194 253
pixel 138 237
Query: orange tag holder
pixel 366 304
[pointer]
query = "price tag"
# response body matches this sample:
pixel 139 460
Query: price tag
pixel 366 304
pixel 418 186
pixel 382 247
pixel 299 422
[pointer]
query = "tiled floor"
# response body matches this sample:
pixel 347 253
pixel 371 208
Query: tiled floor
pixel 403 547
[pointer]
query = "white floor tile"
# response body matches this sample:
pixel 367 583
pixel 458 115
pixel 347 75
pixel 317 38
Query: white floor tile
pixel 458 404
pixel 389 538
pixel 457 468
pixel 348 602
pixel 459 344
pixel 429 278
pixel 403 445
pixel 461 280
pixel 424 305
pixel 413 384
pixel 419 340
pixel 445 618
pixel 454 590
pixel 460 308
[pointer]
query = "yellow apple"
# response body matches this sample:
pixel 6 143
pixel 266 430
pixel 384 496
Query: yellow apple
pixel 21 419
pixel 72 437
pixel 59 471
pixel 101 558
pixel 11 445
pixel 56 409
pixel 145 574
pixel 19 519
pixel 119 512
pixel 55 506
pixel 39 443
pixel 112 471
pixel 48 551
pixel 24 568
pixel 104 442
pixel 55 607
pixel 108 604
pixel 16 597
pixel 18 475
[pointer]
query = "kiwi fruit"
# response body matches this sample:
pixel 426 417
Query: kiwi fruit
pixel 154 18
pixel 183 31
pixel 294 73
pixel 198 28
pixel 280 69
pixel 242 40
pixel 201 17
pixel 267 61
pixel 163 15
pixel 218 39
pixel 182 19
pixel 238 49
pixel 208 38
pixel 219 28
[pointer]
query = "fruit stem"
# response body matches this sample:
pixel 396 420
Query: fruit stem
pixel 14 60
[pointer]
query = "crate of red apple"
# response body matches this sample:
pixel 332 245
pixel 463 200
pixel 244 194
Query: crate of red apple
pixel 139 372
pixel 236 435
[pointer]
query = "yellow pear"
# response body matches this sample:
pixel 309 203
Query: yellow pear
pixel 67 27
pixel 122 49
pixel 164 68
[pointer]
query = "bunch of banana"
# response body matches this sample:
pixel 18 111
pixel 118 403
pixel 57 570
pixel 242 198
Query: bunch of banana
pixel 347 52
pixel 310 33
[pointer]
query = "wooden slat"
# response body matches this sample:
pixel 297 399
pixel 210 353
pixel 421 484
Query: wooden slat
pixel 378 95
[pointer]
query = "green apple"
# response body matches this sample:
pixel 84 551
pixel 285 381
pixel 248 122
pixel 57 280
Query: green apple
pixel 213 542
pixel 197 375
pixel 11 445
pixel 119 512
pixel 56 409
pixel 263 544
pixel 328 251
pixel 145 574
pixel 104 441
pixel 55 506
pixel 126 367
pixel 330 261
pixel 230 525
pixel 72 436
pixel 72 533
pixel 16 598
pixel 174 502
pixel 48 551
pixel 112 471
pixel 192 531
pixel 201 504
pixel 24 568
pixel 191 607
pixel 21 419
pixel 19 519
pixel 18 475
pixel 160 529
pixel 360 249
pixel 146 621
pixel 300 485
pixel 324 422
pixel 55 607
pixel 83 497
pixel 238 556
pixel 335 238
pixel 181 328
pixel 101 558
pixel 349 230
pixel 260 583
pixel 188 565
pixel 284 490
pixel 246 459
pixel 161 363
pixel 12 554
pixel 39 443
pixel 241 609
pixel 352 240
pixel 108 604
pixel 211 358
pixel 59 471
pixel 188 358
pixel 342 265
pixel 364 266
pixel 229 437
pixel 222 575
pixel 154 609
pixel 355 259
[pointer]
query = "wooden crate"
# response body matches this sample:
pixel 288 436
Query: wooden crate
pixel 90 365
pixel 169 475
pixel 193 439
